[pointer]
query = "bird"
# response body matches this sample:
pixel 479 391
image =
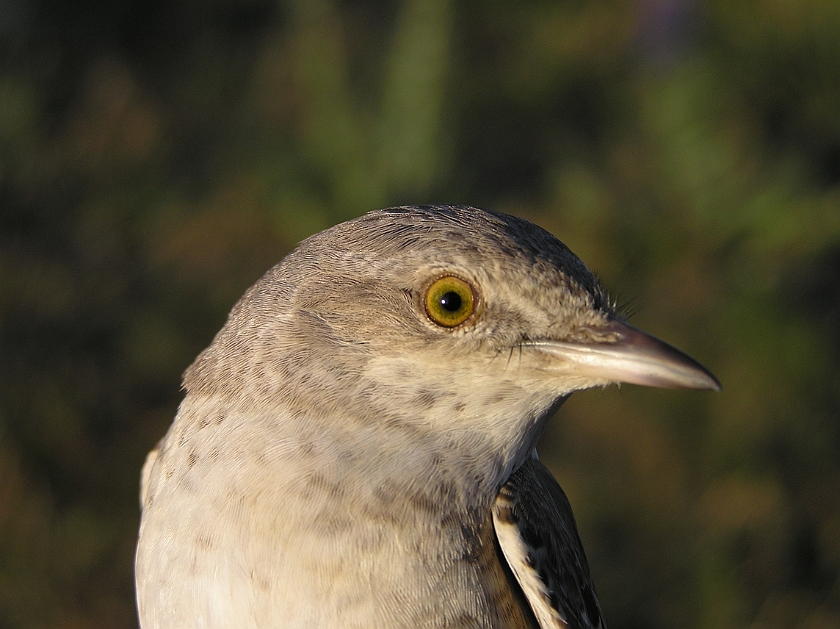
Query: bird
pixel 357 445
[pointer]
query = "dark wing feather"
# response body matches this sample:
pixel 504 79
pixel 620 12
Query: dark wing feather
pixel 539 539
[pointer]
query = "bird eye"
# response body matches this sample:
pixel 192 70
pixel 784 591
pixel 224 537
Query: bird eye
pixel 450 301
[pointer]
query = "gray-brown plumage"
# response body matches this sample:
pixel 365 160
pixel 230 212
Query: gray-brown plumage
pixel 356 446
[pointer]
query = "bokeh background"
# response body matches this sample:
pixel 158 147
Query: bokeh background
pixel 157 156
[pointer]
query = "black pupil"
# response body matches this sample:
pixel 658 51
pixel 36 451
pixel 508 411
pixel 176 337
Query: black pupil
pixel 451 301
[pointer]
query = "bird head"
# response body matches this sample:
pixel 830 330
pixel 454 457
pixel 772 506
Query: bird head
pixel 455 318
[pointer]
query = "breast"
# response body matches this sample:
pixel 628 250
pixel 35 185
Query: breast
pixel 367 535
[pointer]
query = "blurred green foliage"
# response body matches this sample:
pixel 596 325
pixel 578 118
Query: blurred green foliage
pixel 156 157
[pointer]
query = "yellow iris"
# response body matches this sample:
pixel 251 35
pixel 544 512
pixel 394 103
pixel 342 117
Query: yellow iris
pixel 450 301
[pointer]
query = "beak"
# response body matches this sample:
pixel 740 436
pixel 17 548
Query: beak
pixel 628 355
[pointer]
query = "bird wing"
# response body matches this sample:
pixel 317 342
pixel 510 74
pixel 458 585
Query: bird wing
pixel 539 539
pixel 146 473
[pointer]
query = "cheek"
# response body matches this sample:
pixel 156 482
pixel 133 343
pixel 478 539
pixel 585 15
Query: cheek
pixel 442 383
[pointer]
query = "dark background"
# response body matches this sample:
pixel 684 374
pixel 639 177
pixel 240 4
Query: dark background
pixel 157 157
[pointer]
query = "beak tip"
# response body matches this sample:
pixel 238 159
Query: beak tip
pixel 705 381
pixel 695 377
